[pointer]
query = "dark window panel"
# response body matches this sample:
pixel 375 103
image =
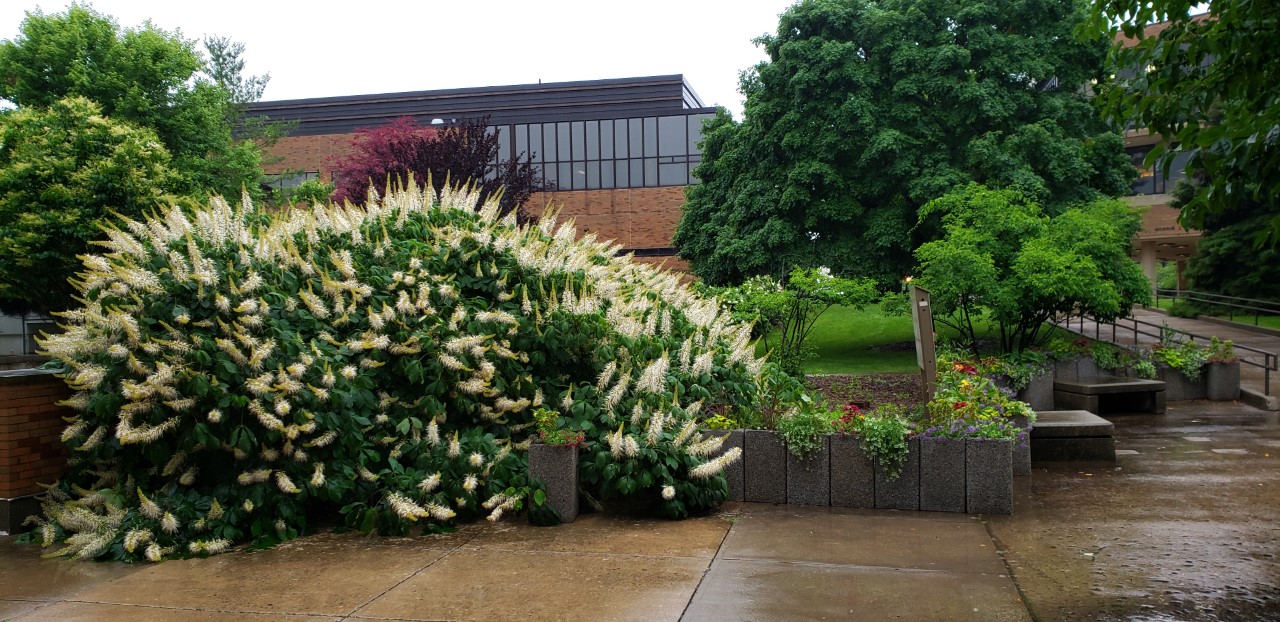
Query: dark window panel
pixel 521 135
pixel 671 136
pixel 673 174
pixel 606 174
pixel 606 140
pixel 549 142
pixel 579 133
pixel 504 143
pixel 620 138
pixel 549 173
pixel 650 171
pixel 579 175
pixel 563 141
pixel 637 173
pixel 593 175
pixel 650 137
pixel 593 140
pixel 567 178
pixel 695 130
pixel 635 138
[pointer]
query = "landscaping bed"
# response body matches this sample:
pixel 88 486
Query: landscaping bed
pixel 868 390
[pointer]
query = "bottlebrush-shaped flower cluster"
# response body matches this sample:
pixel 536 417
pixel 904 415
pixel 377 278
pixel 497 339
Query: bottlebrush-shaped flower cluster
pixel 235 370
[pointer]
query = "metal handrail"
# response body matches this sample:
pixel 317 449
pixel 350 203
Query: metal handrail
pixel 1270 360
pixel 1258 307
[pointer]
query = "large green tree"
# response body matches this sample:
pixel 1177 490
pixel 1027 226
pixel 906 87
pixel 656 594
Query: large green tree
pixel 63 170
pixel 868 109
pixel 144 76
pixel 1210 86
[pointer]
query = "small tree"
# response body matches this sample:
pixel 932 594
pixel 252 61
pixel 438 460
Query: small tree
pixel 793 309
pixel 467 152
pixel 63 172
pixel 1003 257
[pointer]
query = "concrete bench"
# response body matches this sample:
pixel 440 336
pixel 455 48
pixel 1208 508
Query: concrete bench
pixel 1118 394
pixel 1072 436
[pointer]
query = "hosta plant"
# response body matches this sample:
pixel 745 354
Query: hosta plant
pixel 237 371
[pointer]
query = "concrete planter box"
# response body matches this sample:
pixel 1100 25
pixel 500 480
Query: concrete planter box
pixel 557 467
pixel 941 461
pixel 1066 370
pixel 809 480
pixel 1039 392
pixel 734 473
pixel 853 479
pixel 1179 388
pixel 764 467
pixel 1022 450
pixel 942 475
pixel 988 476
pixel 1223 381
pixel 902 492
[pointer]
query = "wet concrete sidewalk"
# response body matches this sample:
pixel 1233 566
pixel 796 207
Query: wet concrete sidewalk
pixel 1185 527
pixel 749 562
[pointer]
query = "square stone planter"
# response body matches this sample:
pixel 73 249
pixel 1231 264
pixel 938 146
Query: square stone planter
pixel 1039 392
pixel 809 480
pixel 1179 388
pixel 988 476
pixel 557 467
pixel 853 480
pixel 1223 381
pixel 734 473
pixel 902 492
pixel 764 467
pixel 1022 448
pixel 942 464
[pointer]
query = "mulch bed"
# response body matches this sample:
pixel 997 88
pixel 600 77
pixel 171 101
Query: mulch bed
pixel 868 390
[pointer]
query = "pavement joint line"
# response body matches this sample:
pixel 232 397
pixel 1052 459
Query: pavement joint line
pixel 733 519
pixel 595 553
pixel 448 552
pixel 1008 569
pixel 310 614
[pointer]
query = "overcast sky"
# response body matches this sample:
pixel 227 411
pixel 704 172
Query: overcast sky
pixel 319 49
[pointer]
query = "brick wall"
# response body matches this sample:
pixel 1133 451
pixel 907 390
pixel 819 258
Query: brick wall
pixel 632 217
pixel 31 425
pixel 307 153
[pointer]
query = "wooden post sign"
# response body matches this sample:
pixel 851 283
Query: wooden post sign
pixel 922 324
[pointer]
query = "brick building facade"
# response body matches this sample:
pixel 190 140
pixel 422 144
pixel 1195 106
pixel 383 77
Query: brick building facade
pixel 619 151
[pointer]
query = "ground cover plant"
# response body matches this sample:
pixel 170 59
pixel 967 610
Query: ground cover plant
pixel 237 370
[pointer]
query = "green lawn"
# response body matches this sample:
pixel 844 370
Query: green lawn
pixel 854 341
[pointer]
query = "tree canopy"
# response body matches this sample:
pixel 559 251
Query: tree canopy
pixel 1001 255
pixel 464 153
pixel 144 76
pixel 1210 86
pixel 868 109
pixel 63 170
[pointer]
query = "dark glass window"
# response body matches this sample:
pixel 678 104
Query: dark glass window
pixel 620 138
pixel 695 131
pixel 579 175
pixel 504 143
pixel 635 138
pixel 606 140
pixel 606 174
pixel 621 178
pixel 567 178
pixel 579 134
pixel 671 136
pixel 521 135
pixel 673 174
pixel 593 175
pixel 650 137
pixel 563 141
pixel 549 142
pixel 637 173
pixel 549 173
pixel 651 171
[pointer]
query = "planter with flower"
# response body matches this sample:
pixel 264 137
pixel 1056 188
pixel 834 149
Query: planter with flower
pixel 1181 365
pixel 1222 373
pixel 553 461
pixel 852 464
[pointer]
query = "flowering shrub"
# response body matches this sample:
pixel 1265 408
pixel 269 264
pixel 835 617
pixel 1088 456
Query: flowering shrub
pixel 967 403
pixel 234 368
